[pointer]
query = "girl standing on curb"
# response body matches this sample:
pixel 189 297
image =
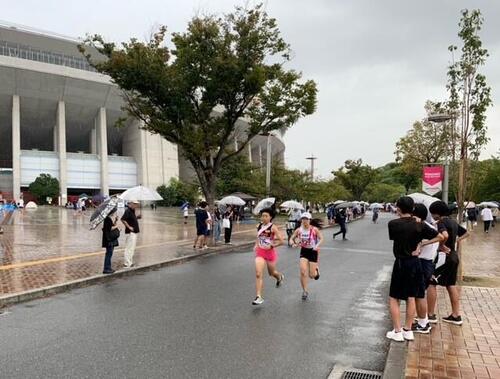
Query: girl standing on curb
pixel 310 238
pixel 268 238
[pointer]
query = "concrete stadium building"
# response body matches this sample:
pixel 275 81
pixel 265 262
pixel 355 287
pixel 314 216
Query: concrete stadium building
pixel 57 116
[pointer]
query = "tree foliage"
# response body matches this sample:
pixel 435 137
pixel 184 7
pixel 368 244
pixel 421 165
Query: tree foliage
pixel 44 186
pixel 383 192
pixel 395 173
pixel 355 176
pixel 469 97
pixel 239 175
pixel 426 142
pixel 177 192
pixel 221 71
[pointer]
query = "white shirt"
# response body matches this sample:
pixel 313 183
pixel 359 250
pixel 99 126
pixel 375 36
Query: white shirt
pixel 486 214
pixel 429 251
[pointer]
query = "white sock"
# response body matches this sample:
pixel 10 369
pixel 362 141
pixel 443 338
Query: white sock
pixel 423 321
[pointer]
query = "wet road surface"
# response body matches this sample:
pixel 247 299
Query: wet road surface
pixel 195 320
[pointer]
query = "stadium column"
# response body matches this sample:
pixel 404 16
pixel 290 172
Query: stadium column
pixel 16 147
pixel 102 138
pixel 61 151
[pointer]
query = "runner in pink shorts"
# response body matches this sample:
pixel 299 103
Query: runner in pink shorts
pixel 268 238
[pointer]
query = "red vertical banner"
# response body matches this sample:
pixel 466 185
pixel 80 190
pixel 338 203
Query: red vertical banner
pixel 432 179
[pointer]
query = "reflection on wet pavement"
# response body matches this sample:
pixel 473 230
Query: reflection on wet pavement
pixel 51 245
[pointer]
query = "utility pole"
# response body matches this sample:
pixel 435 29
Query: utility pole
pixel 312 158
pixel 268 165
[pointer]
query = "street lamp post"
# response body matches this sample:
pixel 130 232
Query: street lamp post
pixel 312 158
pixel 440 118
pixel 268 164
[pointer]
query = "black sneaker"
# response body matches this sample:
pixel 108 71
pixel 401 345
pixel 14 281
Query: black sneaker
pixel 305 295
pixel 453 320
pixel 279 282
pixel 317 274
pixel 108 271
pixel 421 329
pixel 432 319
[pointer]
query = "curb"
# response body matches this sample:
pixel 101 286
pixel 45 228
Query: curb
pixel 395 363
pixel 102 278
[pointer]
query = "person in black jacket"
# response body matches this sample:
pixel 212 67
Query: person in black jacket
pixel 340 218
pixel 109 239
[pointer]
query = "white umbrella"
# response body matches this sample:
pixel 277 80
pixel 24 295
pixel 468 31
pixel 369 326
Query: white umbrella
pixel 376 205
pixel 264 203
pixel 292 204
pixel 422 198
pixel 345 204
pixel 470 204
pixel 232 200
pixel 338 202
pixel 140 193
pixel 490 204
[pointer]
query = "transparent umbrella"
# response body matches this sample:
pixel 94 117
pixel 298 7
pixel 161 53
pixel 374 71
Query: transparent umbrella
pixel 232 200
pixel 141 193
pixel 292 204
pixel 263 204
pixel 103 211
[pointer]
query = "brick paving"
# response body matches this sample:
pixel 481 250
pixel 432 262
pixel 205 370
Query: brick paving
pixel 52 246
pixel 473 349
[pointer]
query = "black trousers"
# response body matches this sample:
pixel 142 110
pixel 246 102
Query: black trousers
pixel 487 225
pixel 227 233
pixel 343 230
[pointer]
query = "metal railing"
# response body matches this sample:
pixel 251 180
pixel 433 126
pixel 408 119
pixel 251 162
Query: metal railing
pixel 15 50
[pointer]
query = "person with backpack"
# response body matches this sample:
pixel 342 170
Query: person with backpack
pixel 268 239
pixel 110 235
pixel 309 239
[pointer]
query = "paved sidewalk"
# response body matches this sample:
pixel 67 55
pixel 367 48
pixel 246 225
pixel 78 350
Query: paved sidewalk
pixel 473 349
pixel 52 246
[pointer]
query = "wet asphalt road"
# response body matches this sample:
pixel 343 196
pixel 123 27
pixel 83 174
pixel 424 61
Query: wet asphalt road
pixel 196 320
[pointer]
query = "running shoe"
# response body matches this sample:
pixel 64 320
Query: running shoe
pixel 417 328
pixel 305 295
pixel 408 335
pixel 258 300
pixel 317 274
pixel 453 320
pixel 279 282
pixel 395 336
pixel 433 319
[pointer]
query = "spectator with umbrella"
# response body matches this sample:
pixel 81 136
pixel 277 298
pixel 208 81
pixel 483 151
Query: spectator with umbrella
pixel 110 235
pixel 131 222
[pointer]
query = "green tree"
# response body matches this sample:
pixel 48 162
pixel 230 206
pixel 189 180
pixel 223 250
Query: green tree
pixel 383 192
pixel 44 186
pixel 177 192
pixel 323 192
pixel 395 173
pixel 426 142
pixel 221 71
pixel 238 175
pixel 485 180
pixel 355 176
pixel 469 98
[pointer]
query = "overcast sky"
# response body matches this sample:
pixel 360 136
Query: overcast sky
pixel 375 62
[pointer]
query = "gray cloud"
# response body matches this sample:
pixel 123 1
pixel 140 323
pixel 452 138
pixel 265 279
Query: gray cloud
pixel 376 62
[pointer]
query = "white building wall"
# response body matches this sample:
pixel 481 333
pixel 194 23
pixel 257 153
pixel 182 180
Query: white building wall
pixel 156 158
